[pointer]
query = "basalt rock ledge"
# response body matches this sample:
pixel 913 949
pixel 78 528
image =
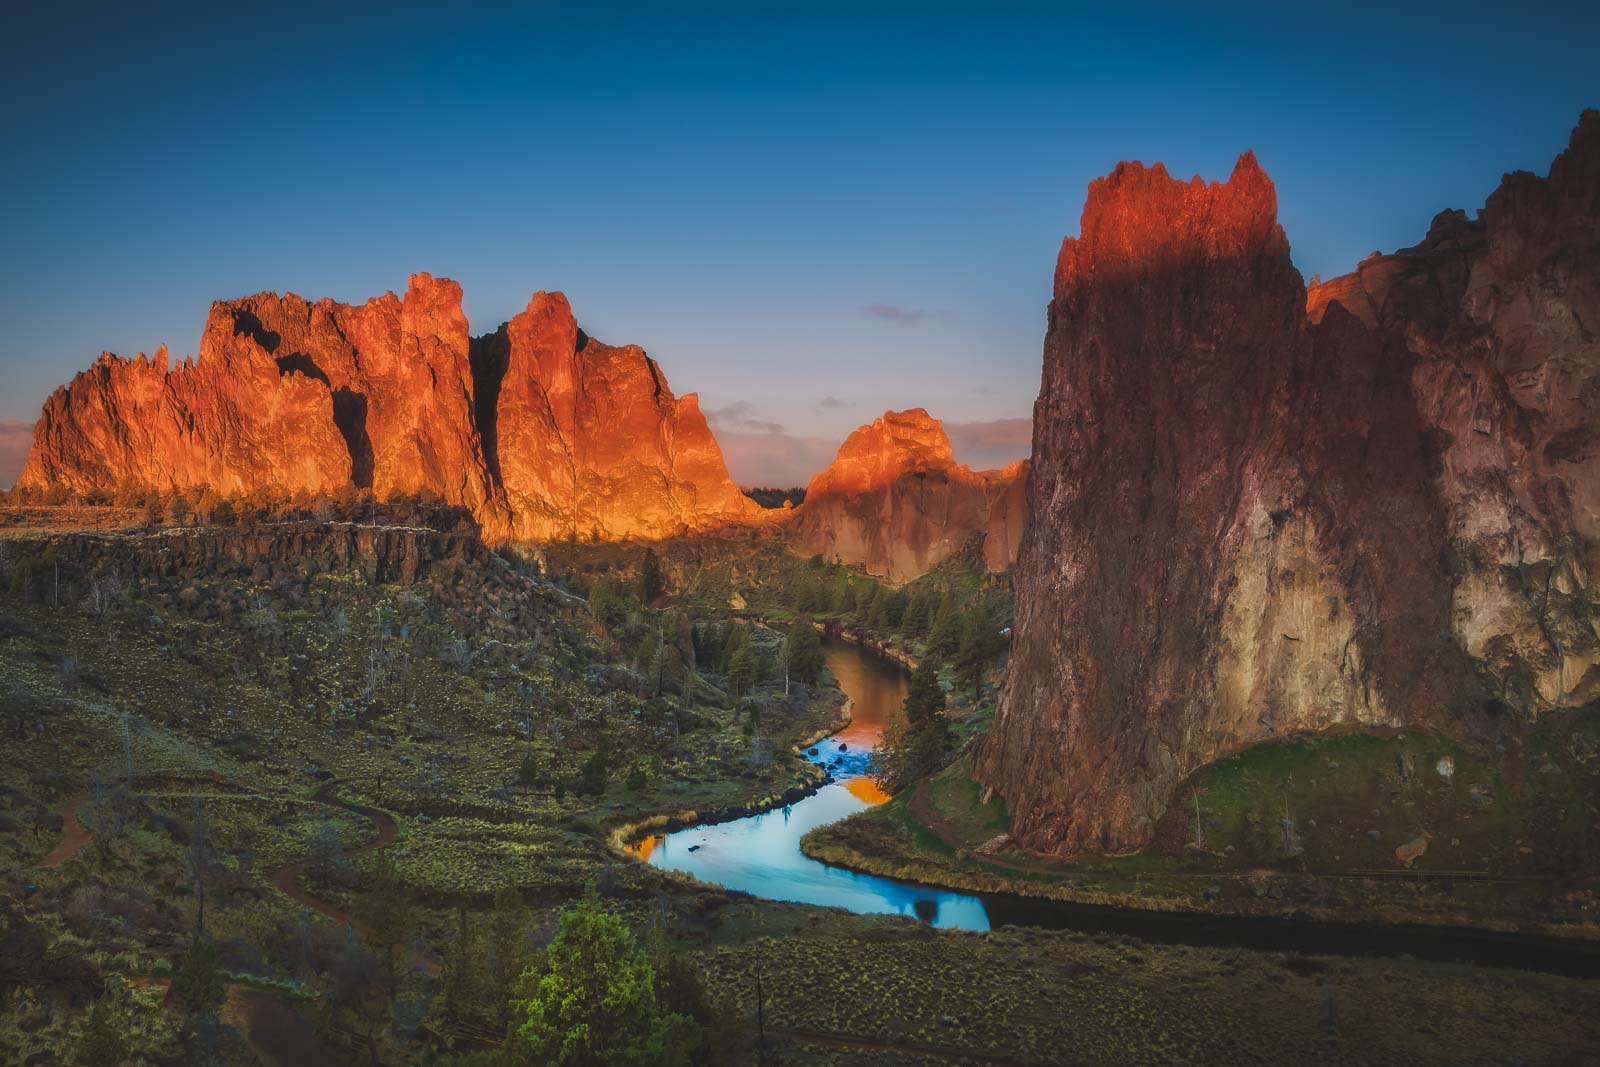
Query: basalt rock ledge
pixel 1255 510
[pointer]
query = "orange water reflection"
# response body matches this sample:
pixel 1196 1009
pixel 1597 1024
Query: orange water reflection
pixel 879 689
pixel 866 790
pixel 644 846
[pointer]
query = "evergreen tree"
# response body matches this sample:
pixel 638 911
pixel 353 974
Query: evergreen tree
pixel 651 584
pixel 803 652
pixel 391 912
pixel 104 1041
pixel 875 610
pixel 592 777
pixel 200 985
pixel 925 696
pixel 973 654
pixel 839 597
pixel 944 633
pixel 917 743
pixel 593 1001
pixel 508 943
pixel 737 637
pixel 742 668
pixel 914 618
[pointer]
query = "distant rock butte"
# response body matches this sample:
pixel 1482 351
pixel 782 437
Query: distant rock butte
pixel 540 430
pixel 1256 509
pixel 895 501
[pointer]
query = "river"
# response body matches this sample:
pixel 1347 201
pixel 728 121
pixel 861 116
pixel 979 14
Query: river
pixel 760 854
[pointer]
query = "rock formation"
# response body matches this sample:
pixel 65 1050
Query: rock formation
pixel 1256 510
pixel 591 440
pixel 541 431
pixel 895 501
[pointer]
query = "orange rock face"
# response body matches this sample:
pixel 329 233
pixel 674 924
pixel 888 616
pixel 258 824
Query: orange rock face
pixel 1256 510
pixel 541 431
pixel 895 501
pixel 591 442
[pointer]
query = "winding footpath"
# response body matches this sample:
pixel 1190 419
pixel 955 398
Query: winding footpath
pixel 286 879
pixel 74 834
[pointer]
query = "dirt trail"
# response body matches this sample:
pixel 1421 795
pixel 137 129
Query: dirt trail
pixel 74 834
pixel 286 879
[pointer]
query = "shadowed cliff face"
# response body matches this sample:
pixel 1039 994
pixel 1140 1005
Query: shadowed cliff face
pixel 539 430
pixel 895 501
pixel 1244 521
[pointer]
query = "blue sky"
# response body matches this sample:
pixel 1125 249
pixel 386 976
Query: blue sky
pixel 807 217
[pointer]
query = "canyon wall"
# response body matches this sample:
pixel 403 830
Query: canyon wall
pixel 895 501
pixel 538 429
pixel 1255 510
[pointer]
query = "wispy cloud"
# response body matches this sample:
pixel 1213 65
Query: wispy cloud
pixel 901 315
pixel 781 460
pixel 990 444
pixel 741 417
pixel 830 402
pixel 15 438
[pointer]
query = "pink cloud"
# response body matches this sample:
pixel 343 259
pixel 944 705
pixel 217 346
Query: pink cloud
pixel 995 443
pixel 780 460
pixel 16 437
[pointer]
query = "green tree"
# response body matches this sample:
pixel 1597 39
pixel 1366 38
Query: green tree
pixel 200 985
pixel 914 617
pixel 839 599
pixel 916 743
pixel 104 1041
pixel 651 584
pixel 528 771
pixel 508 943
pixel 592 776
pixel 924 696
pixel 803 651
pixel 593 1001
pixel 944 632
pixel 734 637
pixel 391 912
pixel 644 659
pixel 974 654
pixel 601 601
pixel 742 668
pixel 875 611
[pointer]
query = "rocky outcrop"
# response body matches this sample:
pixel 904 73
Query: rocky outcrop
pixel 541 431
pixel 895 501
pixel 1255 510
pixel 590 440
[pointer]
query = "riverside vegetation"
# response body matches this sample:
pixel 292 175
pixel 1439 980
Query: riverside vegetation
pixel 354 802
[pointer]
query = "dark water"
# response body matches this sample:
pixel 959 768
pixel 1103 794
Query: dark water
pixel 761 855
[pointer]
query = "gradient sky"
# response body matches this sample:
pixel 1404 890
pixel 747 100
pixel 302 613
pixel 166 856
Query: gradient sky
pixel 807 216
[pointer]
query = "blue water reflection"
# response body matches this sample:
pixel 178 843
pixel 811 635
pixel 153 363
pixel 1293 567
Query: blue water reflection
pixel 761 854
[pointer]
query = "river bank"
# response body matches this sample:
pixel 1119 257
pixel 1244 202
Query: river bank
pixel 910 839
pixel 629 838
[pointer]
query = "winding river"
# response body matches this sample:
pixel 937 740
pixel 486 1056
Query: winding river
pixel 760 854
